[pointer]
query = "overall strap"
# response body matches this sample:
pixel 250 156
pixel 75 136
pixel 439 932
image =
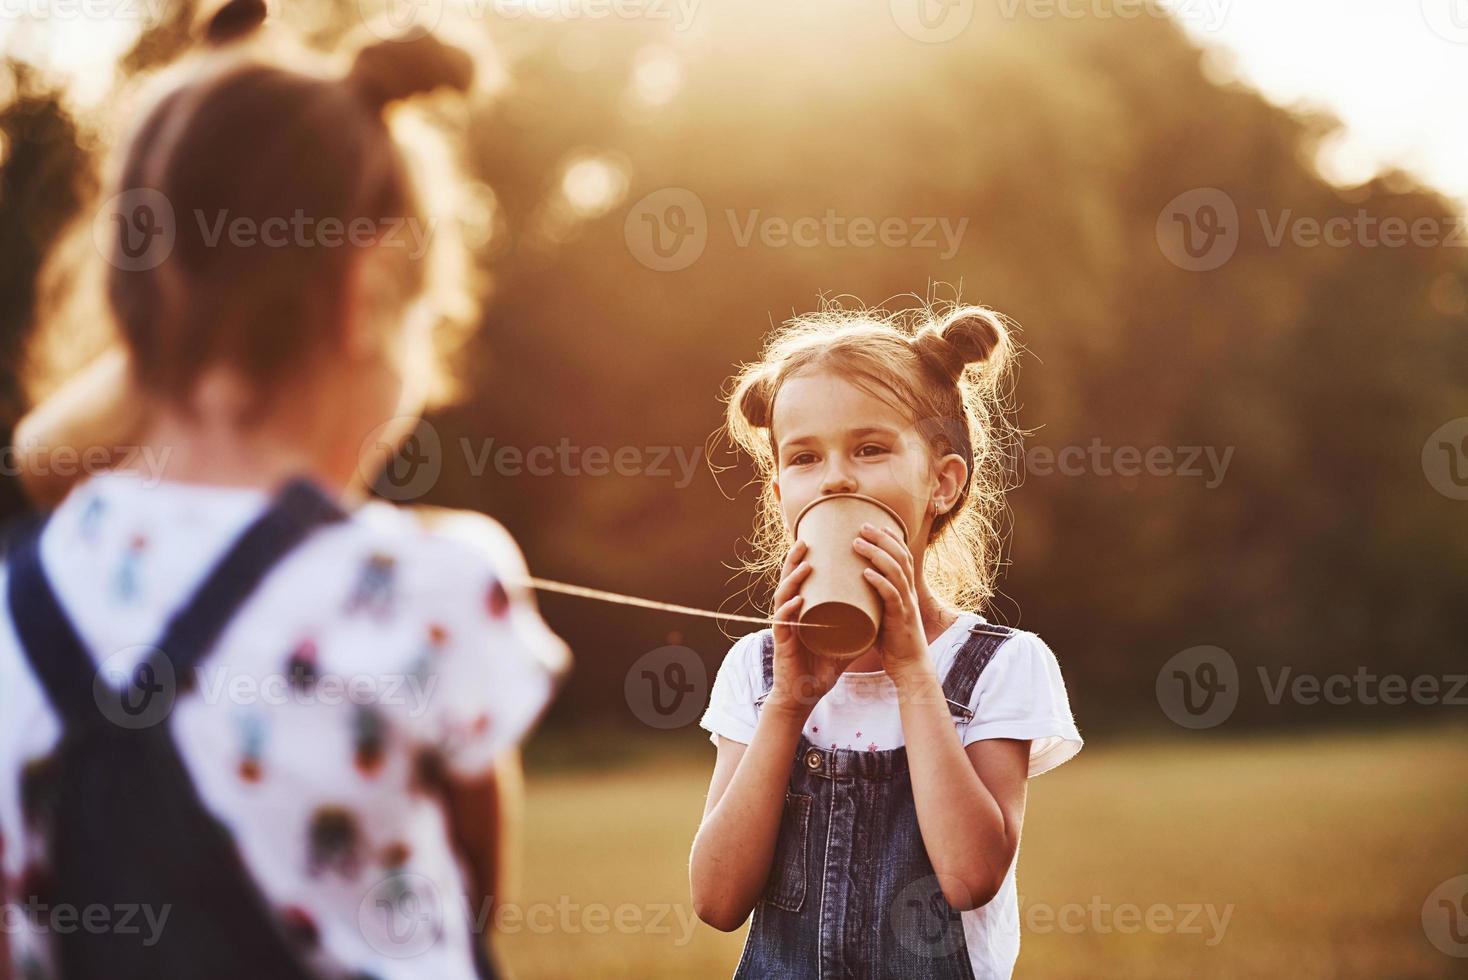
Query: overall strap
pixel 958 687
pixel 767 665
pixel 59 658
pixel 978 649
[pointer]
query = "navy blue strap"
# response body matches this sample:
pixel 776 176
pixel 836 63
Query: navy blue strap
pixel 767 665
pixel 958 686
pixel 983 642
pixel 56 652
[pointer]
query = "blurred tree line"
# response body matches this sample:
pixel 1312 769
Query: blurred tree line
pixel 1060 142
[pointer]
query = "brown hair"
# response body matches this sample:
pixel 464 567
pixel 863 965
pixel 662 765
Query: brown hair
pixel 949 370
pixel 247 140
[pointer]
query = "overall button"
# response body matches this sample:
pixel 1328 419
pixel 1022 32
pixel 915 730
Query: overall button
pixel 813 759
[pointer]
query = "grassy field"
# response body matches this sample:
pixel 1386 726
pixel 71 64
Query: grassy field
pixel 1320 850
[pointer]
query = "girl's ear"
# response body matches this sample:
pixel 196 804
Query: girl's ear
pixel 952 474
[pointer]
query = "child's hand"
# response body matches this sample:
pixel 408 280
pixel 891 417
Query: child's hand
pixel 801 677
pixel 901 639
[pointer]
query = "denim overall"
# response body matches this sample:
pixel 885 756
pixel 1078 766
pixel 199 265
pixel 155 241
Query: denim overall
pixel 851 893
pixel 121 798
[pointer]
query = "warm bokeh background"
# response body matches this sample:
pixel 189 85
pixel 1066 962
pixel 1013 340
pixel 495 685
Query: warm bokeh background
pixel 1334 542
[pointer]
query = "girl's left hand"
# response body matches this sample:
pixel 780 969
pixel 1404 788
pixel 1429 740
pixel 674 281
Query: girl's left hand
pixel 901 640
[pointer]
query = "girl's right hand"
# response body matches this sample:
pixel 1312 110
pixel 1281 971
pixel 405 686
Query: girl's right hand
pixel 801 677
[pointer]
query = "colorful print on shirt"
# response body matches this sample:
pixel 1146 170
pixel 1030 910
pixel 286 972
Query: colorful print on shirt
pixel 496 599
pixel 301 670
pixel 375 586
pixel 334 842
pixel 252 749
pixel 125 580
pixel 369 731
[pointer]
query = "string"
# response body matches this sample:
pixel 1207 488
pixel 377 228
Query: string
pixel 546 585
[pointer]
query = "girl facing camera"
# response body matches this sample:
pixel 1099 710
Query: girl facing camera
pixel 867 808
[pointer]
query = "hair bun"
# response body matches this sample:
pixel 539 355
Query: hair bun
pixel 967 335
pixel 233 21
pixel 390 71
pixel 754 401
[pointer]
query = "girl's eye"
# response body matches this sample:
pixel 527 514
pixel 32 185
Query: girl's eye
pixel 871 449
pixel 800 459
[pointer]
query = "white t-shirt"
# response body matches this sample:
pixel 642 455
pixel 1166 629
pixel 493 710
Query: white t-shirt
pixel 376 643
pixel 1020 694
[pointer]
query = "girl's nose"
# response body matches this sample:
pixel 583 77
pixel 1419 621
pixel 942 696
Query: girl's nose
pixel 837 480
